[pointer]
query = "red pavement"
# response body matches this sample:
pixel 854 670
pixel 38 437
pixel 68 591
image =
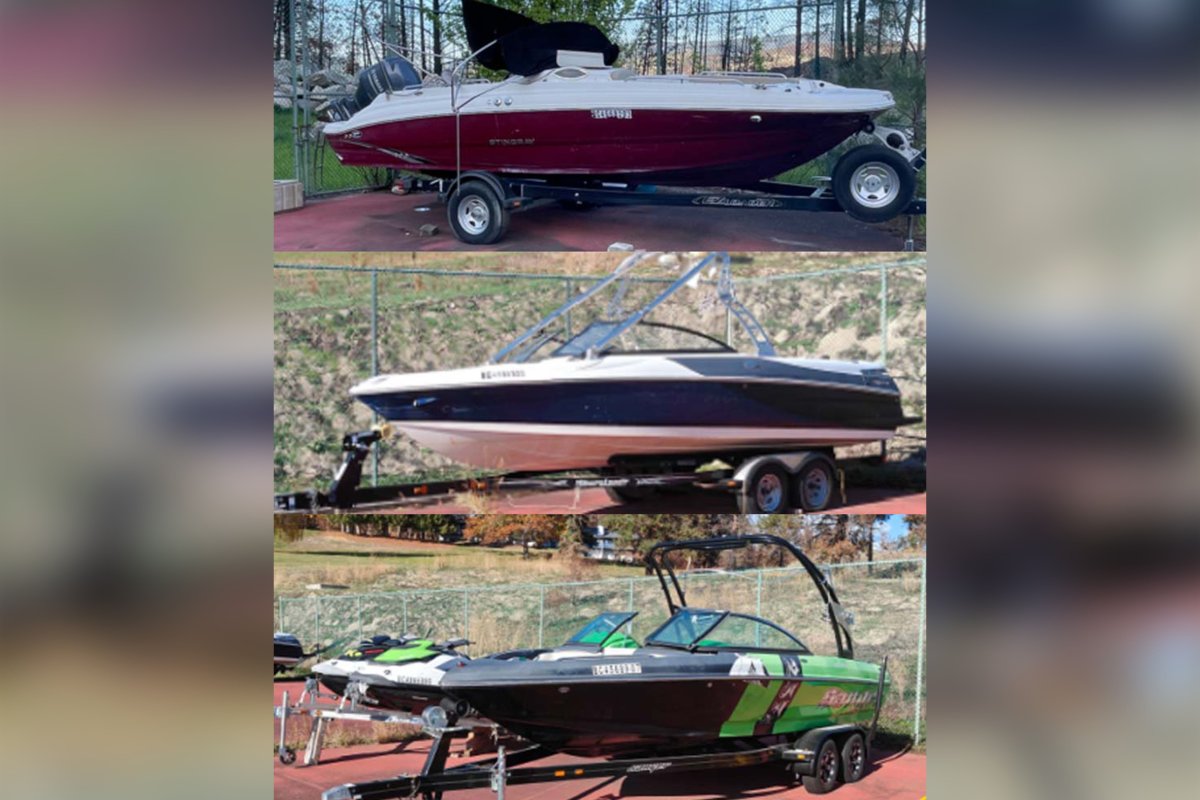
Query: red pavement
pixel 890 777
pixel 384 221
pixel 590 501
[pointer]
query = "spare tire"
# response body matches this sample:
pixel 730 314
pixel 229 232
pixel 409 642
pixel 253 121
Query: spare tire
pixel 390 75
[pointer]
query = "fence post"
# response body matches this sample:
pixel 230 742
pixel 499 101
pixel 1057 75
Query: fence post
pixel 358 610
pixel 883 316
pixel 758 600
pixel 466 614
pixel 541 614
pixel 567 316
pixel 404 601
pixel 319 599
pixel 295 94
pixel 920 662
pixel 375 362
pixel 281 627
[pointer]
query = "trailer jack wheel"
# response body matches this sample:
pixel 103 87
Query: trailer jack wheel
pixel 874 183
pixel 476 213
pixel 287 756
pixel 826 770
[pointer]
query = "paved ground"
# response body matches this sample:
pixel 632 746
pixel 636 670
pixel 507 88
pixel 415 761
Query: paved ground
pixel 384 221
pixel 891 777
pixel 588 501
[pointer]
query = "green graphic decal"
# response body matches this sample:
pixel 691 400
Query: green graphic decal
pixel 417 650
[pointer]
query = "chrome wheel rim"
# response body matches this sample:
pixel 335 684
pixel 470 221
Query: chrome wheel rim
pixel 473 215
pixel 875 184
pixel 816 488
pixel 769 492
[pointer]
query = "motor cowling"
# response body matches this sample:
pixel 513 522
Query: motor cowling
pixel 390 75
pixel 341 109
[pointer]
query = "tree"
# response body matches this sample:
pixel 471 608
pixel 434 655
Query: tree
pixel 915 539
pixel 495 529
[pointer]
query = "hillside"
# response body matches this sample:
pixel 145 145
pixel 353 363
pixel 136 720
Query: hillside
pixel 323 344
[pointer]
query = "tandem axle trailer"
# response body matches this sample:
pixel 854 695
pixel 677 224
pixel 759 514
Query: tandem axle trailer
pixel 762 483
pixel 821 758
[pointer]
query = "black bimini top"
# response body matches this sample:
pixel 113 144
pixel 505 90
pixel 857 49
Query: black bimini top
pixel 523 46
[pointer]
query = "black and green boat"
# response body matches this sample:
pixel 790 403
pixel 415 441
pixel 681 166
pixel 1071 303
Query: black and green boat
pixel 704 677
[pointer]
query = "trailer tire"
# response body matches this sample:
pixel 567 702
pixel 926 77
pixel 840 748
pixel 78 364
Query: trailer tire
pixel 765 490
pixel 874 183
pixel 812 485
pixel 476 213
pixel 854 758
pixel 628 494
pixel 826 770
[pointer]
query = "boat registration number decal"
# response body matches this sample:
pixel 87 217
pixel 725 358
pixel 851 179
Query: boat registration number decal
pixel 617 669
pixel 495 374
pixel 612 113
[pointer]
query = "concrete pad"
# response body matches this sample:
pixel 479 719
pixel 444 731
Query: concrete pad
pixel 382 221
pixel 890 777
pixel 682 501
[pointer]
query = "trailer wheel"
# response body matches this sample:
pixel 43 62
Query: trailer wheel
pixel 812 486
pixel 854 758
pixel 826 770
pixel 476 214
pixel 874 183
pixel 287 756
pixel 765 491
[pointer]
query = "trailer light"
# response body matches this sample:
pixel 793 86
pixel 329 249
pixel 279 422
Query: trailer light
pixel 560 773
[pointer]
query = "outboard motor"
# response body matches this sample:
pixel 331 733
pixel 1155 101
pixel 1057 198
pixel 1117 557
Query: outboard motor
pixel 390 75
pixel 341 110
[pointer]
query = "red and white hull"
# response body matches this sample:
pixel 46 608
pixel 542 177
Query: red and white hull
pixel 682 131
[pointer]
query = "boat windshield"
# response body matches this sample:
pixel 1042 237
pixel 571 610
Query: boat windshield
pixel 720 630
pixel 605 631
pixel 645 337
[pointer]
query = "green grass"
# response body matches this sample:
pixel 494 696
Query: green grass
pixel 328 174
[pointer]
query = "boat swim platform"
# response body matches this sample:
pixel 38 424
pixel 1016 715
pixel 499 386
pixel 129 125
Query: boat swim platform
pixel 382 221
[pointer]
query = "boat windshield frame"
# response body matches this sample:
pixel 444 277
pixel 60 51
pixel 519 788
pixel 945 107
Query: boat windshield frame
pixel 626 618
pixel 527 344
pixel 839 619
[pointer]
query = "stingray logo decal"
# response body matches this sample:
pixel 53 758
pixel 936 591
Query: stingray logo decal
pixel 617 669
pixel 612 113
pixel 836 698
pixel 509 142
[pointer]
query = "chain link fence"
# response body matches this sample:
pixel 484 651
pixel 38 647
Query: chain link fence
pixel 338 325
pixel 887 598
pixel 320 45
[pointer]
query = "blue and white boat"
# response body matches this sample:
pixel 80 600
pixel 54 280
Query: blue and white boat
pixel 596 399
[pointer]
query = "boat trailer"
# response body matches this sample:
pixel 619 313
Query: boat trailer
pixel 479 203
pixel 506 769
pixel 770 483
